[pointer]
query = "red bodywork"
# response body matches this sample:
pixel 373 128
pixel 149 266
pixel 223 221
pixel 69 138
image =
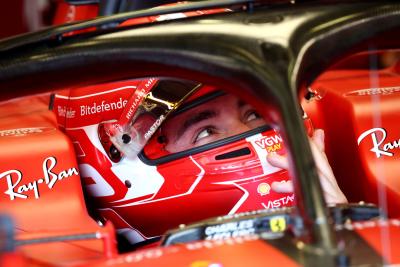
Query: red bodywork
pixel 363 100
pixel 40 181
pixel 66 12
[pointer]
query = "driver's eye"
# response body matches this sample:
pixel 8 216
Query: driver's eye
pixel 252 115
pixel 206 132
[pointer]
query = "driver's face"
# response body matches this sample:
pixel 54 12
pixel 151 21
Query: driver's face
pixel 219 118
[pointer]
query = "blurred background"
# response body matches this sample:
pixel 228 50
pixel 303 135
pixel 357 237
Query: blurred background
pixel 20 16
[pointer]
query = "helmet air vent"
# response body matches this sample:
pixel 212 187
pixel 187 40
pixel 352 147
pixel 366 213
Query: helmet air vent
pixel 234 154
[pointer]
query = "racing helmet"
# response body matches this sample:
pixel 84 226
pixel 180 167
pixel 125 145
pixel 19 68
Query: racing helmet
pixel 144 173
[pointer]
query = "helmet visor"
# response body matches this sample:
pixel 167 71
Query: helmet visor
pixel 211 120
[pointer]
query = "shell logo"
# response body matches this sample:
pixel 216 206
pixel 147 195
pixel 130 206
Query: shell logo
pixel 263 189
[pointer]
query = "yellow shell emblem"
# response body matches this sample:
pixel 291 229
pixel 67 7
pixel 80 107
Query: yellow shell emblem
pixel 263 189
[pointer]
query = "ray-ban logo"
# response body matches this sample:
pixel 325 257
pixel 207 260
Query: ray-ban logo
pixel 378 137
pixel 16 188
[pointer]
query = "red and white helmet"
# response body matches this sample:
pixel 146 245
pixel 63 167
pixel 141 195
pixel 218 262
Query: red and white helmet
pixel 135 180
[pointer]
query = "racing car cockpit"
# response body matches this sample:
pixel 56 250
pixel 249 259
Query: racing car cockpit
pixel 154 152
pixel 201 135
